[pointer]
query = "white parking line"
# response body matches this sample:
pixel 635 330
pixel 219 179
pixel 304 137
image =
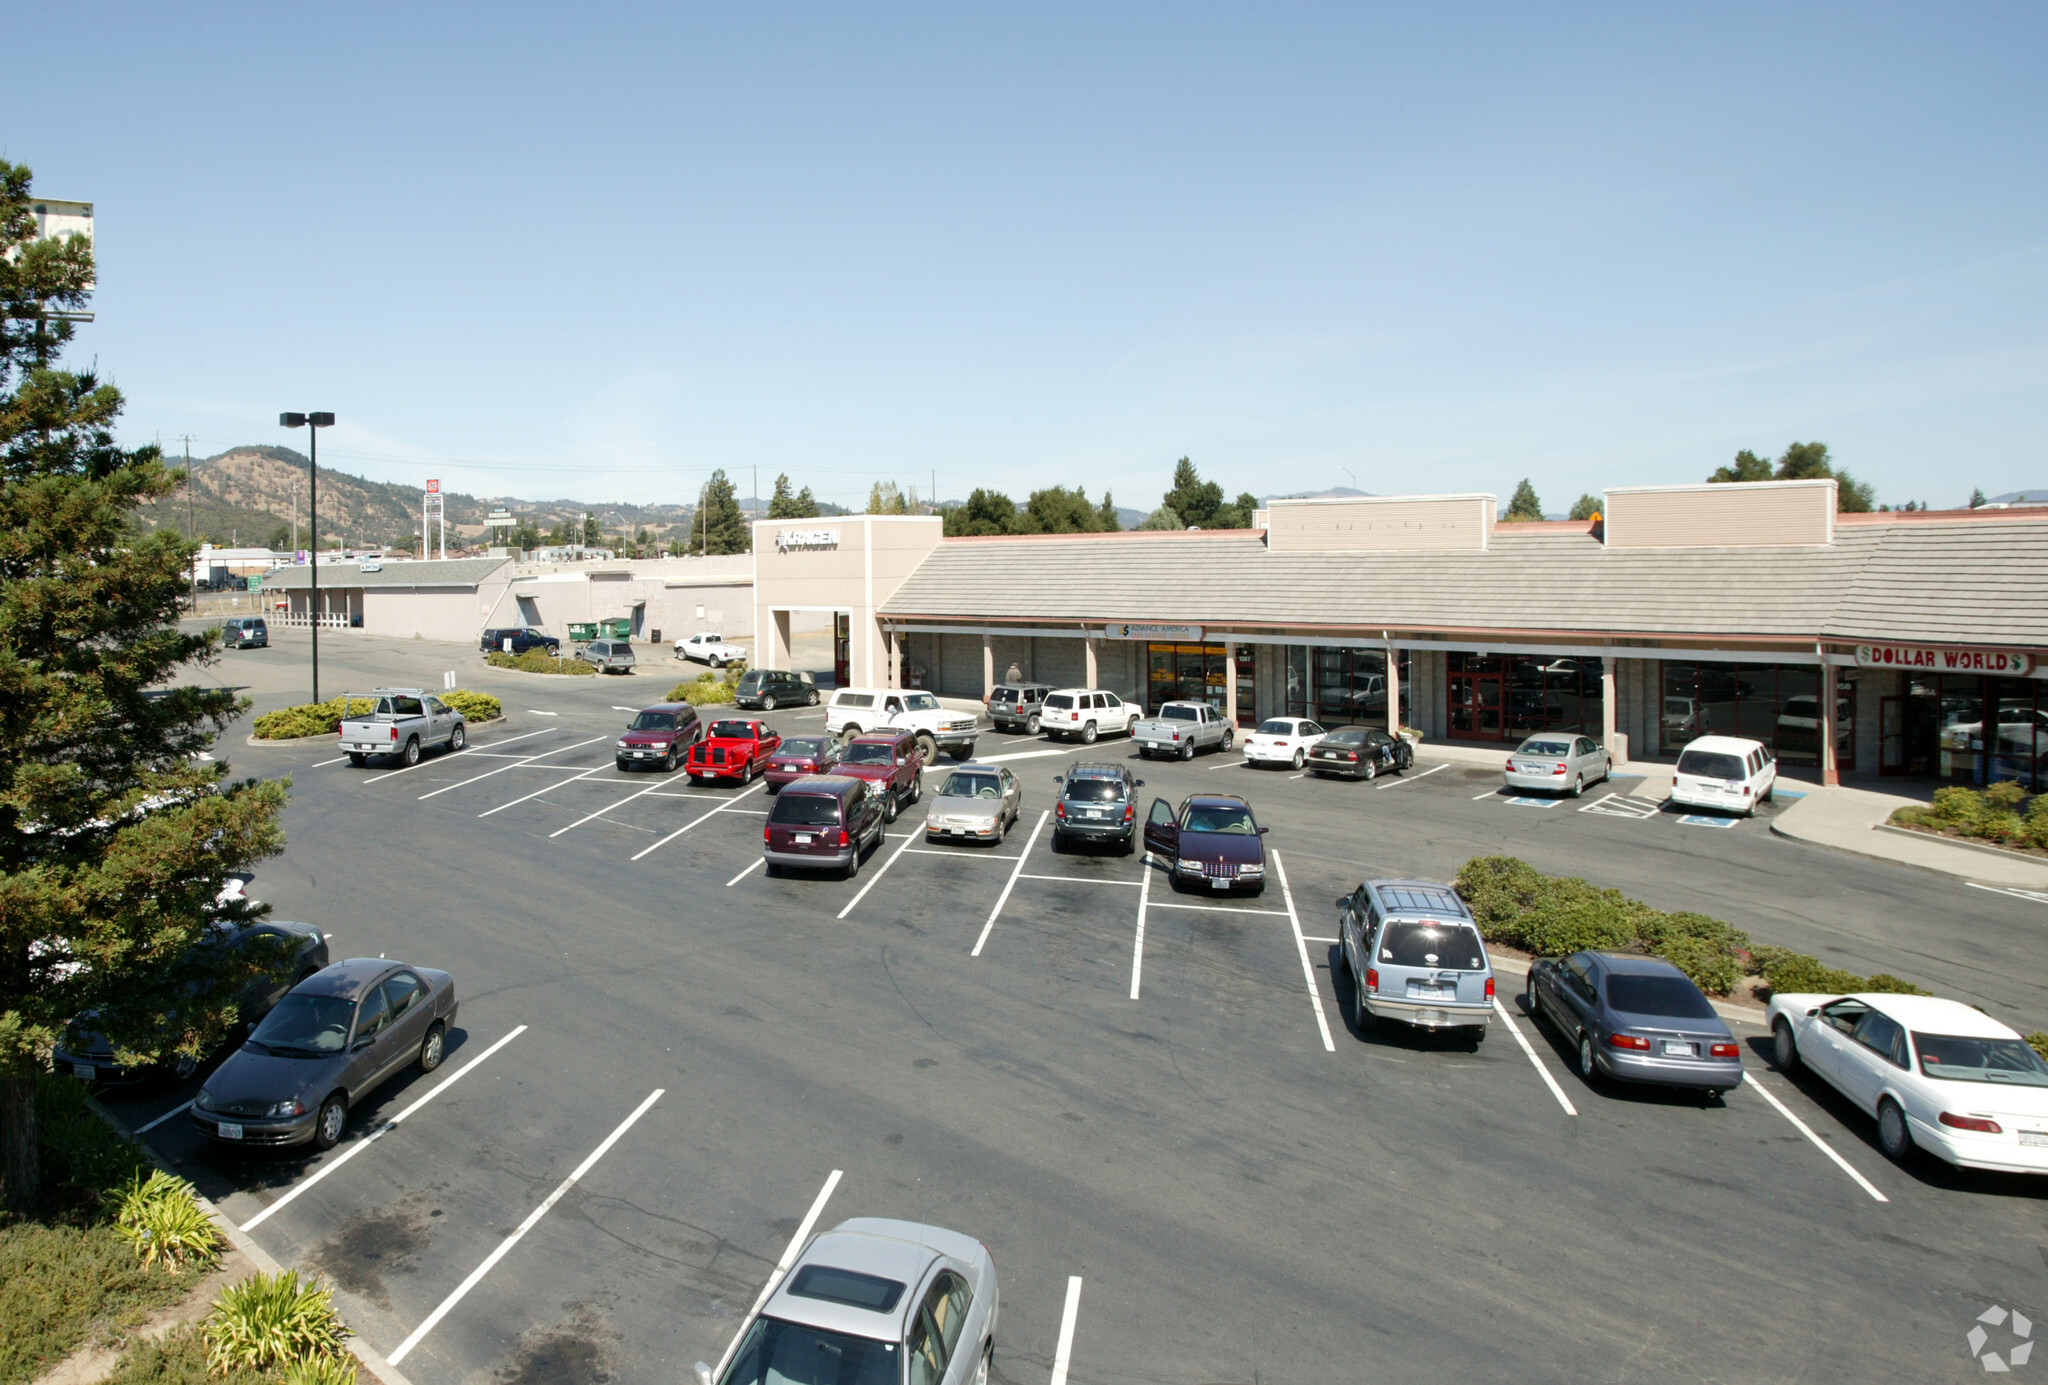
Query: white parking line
pixel 1534 1061
pixel 1221 908
pixel 1235 764
pixel 1308 972
pixel 1312 938
pixel 1803 1128
pixel 532 1219
pixel 606 809
pixel 1397 783
pixel 1011 884
pixel 958 854
pixel 538 792
pixel 752 866
pixel 175 1110
pixel 323 764
pixel 1080 880
pixel 530 759
pixel 617 708
pixel 1024 755
pixel 2037 896
pixel 796 1244
pixel 876 876
pixel 1063 1354
pixel 1137 958
pixel 539 713
pixel 1490 793
pixel 703 817
pixel 379 1133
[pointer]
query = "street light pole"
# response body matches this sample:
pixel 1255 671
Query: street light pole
pixel 312 423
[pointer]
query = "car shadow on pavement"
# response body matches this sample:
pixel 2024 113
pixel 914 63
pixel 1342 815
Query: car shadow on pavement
pixel 1603 1087
pixel 1391 1034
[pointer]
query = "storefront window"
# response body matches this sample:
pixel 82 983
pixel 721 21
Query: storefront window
pixel 1186 673
pixel 1776 704
pixel 1338 686
pixel 1506 697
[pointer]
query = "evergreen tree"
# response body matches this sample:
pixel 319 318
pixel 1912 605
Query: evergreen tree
pixel 1523 505
pixel 1105 516
pixel 1976 499
pixel 885 498
pixel 114 839
pixel 592 534
pixel 1747 467
pixel 986 512
pixel 1193 499
pixel 1585 507
pixel 722 526
pixel 783 505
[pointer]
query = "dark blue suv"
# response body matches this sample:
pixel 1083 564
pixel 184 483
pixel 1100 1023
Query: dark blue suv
pixel 521 638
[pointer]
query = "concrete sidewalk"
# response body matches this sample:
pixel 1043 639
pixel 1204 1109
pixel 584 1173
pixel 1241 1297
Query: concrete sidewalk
pixel 1854 820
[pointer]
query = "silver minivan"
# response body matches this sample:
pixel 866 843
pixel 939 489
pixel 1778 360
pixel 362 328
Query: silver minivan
pixel 1415 955
pixel 610 656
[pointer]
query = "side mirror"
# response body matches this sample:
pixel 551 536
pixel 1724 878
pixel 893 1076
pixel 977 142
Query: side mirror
pixel 1137 783
pixel 1264 830
pixel 1343 901
pixel 703 1373
pixel 360 1044
pixel 1061 779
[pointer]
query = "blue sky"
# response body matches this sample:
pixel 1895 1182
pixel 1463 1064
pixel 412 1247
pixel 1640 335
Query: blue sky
pixel 597 253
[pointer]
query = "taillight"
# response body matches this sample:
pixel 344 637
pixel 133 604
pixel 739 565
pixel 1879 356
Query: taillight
pixel 1558 770
pixel 1724 1051
pixel 1976 1123
pixel 1633 1042
pixel 1489 988
pixel 844 839
pixel 767 833
pixel 1130 812
pixel 1060 810
pixel 394 731
pixel 1372 978
pixel 1353 757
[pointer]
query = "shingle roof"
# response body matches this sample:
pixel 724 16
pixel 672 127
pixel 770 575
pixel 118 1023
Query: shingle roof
pixel 344 572
pixel 1974 583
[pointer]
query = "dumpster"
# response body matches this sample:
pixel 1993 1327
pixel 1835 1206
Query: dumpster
pixel 617 628
pixel 582 633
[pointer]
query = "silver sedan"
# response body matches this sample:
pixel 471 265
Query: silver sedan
pixel 1558 762
pixel 977 803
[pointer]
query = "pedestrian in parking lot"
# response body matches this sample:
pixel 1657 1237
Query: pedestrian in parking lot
pixel 1015 675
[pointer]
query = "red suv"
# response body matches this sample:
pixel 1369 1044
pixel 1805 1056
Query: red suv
pixel 890 761
pixel 658 737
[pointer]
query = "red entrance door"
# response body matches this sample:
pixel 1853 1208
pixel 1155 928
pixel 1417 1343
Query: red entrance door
pixel 1475 706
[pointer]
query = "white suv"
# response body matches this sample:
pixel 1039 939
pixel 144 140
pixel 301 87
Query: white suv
pixel 1085 713
pixel 710 649
pixel 1730 773
pixel 854 710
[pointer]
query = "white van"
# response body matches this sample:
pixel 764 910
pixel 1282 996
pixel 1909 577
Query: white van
pixel 1728 773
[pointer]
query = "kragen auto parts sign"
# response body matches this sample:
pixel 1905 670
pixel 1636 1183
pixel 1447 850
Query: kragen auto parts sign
pixel 2006 663
pixel 789 540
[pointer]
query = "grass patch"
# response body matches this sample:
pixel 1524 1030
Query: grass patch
pixel 177 1358
pixel 2003 815
pixel 538 661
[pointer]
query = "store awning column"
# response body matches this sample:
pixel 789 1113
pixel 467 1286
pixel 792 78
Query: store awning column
pixel 988 667
pixel 1393 688
pixel 1229 683
pixel 1829 713
pixel 1088 647
pixel 1610 711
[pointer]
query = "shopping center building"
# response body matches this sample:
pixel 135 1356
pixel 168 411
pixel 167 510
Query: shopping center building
pixel 1683 610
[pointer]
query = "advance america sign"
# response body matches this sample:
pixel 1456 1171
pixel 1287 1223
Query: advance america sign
pixel 2003 663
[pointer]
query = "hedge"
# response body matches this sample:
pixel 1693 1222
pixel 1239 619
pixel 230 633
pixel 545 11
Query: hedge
pixel 1519 906
pixel 2003 814
pixel 537 661
pixel 324 718
pixel 705 690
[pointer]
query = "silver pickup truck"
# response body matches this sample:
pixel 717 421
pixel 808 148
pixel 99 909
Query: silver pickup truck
pixel 401 722
pixel 1182 728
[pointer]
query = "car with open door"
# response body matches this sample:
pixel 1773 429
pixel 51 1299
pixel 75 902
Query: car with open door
pixel 1211 842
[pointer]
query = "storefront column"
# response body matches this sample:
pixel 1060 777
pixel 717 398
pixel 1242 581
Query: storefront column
pixel 1229 683
pixel 1610 711
pixel 1088 651
pixel 1393 691
pixel 988 667
pixel 778 640
pixel 1829 715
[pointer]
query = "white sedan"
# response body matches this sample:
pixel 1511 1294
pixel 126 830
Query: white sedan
pixel 1282 741
pixel 1936 1073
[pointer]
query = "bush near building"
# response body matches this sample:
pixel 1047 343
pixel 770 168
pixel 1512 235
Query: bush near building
pixel 2004 815
pixel 1519 906
pixel 324 718
pixel 537 661
pixel 708 689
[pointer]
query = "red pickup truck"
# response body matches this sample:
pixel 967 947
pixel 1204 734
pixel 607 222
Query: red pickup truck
pixel 890 761
pixel 735 750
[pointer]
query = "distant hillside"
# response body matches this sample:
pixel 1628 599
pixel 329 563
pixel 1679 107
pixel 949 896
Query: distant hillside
pixel 1333 493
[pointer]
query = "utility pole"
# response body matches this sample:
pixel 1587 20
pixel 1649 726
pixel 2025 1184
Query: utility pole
pixel 295 519
pixel 191 523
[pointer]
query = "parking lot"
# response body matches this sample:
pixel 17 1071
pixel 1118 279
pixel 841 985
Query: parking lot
pixel 669 1065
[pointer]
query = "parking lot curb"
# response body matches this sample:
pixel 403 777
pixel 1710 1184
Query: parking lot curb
pixel 1841 826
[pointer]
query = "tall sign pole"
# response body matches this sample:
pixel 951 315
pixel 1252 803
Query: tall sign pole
pixel 312 423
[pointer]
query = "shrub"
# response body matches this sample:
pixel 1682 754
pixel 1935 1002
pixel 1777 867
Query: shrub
pixel 1499 889
pixel 475 706
pixel 537 661
pixel 308 719
pixel 177 1358
pixel 270 1320
pixel 161 1218
pixel 62 1284
pixel 1993 814
pixel 1884 981
pixel 703 692
pixel 87 1155
pixel 321 1370
pixel 1785 970
pixel 2040 1043
pixel 1570 915
pixel 2036 827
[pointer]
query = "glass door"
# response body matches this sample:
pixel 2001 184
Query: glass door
pixel 842 649
pixel 1246 660
pixel 1891 735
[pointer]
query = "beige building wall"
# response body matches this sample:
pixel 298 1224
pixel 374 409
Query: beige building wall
pixel 423 613
pixel 1380 524
pixel 678 597
pixel 849 563
pixel 1752 514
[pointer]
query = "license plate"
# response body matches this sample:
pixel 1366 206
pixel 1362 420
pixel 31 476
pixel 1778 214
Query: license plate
pixel 2034 1137
pixel 1094 812
pixel 84 1072
pixel 1435 993
pixel 803 839
pixel 1219 882
pixel 955 831
pixel 229 1131
pixel 1673 1048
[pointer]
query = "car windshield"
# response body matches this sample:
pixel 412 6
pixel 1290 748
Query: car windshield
pixel 1095 790
pixel 1350 735
pixel 971 786
pixel 1673 996
pixel 803 748
pixel 306 1024
pixel 1174 711
pixel 1545 748
pixel 1710 764
pixel 1454 946
pixel 732 730
pixel 775 1352
pixel 806 810
pixel 1229 819
pixel 1276 728
pixel 1060 700
pixel 868 753
pixel 654 721
pixel 920 702
pixel 1959 1059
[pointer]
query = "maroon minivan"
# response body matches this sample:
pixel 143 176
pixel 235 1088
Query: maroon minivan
pixel 823 822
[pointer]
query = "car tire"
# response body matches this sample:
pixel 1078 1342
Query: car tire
pixel 927 747
pixel 1894 1136
pixel 358 760
pixel 768 704
pixel 183 1066
pixel 917 789
pixel 457 738
pixel 1372 770
pixel 981 1367
pixel 1608 773
pixel 1300 758
pixel 1578 787
pixel 1258 889
pixel 1589 1066
pixel 1187 752
pixel 1031 724
pixel 411 753
pixel 890 809
pixel 1088 734
pixel 668 761
pixel 1229 739
pixel 1530 997
pixel 1058 844
pixel 853 861
pixel 331 1123
pixel 1476 1033
pixel 771 870
pixel 434 1047
pixel 1784 1048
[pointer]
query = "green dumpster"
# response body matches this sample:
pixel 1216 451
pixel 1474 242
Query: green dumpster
pixel 582 633
pixel 617 628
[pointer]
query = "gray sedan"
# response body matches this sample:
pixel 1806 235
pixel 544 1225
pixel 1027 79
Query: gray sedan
pixel 873 1302
pixel 1635 1019
pixel 333 1040
pixel 977 803
pixel 1559 762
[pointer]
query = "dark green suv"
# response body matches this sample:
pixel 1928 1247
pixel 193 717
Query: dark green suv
pixel 765 689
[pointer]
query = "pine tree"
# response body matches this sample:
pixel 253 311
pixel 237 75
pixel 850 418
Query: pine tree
pixel 114 839
pixel 722 525
pixel 783 505
pixel 1105 516
pixel 1586 506
pixel 1524 505
pixel 1193 499
pixel 1976 499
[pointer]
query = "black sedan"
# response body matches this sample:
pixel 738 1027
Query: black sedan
pixel 1360 752
pixel 1635 1019
pixel 289 953
pixel 327 1045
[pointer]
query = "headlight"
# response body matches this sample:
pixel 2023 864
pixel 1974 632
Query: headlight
pixel 204 1101
pixel 1251 870
pixel 1185 864
pixel 622 745
pixel 287 1108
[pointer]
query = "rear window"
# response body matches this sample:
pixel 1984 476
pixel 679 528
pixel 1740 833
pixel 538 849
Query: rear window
pixel 1711 764
pixel 1454 946
pixel 750 681
pixel 1176 712
pixel 1350 735
pixel 1961 1059
pixel 1061 700
pixel 803 748
pixel 1003 695
pixel 854 700
pixel 1095 791
pixel 1658 995
pixel 1276 728
pixel 732 730
pixel 1558 748
pixel 805 810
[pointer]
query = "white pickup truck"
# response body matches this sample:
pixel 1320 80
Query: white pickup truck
pixel 1182 728
pixel 855 711
pixel 710 649
pixel 401 722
